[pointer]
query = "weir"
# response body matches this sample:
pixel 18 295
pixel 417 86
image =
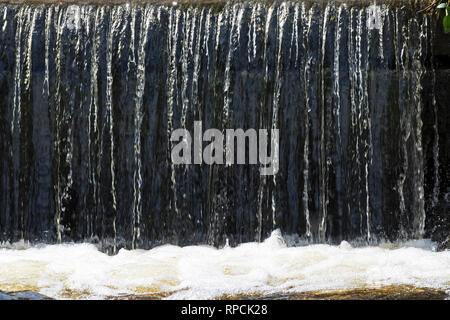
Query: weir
pixel 90 94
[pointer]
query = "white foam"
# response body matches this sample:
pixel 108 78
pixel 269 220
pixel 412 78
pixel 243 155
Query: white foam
pixel 199 272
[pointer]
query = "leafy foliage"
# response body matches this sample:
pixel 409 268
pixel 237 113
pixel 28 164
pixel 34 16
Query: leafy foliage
pixel 446 23
pixel 446 20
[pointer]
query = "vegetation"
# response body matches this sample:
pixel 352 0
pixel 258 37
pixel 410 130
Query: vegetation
pixel 446 21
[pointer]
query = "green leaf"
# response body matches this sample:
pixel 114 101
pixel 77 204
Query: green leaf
pixel 446 23
pixel 443 5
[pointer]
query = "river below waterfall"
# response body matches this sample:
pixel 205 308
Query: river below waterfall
pixel 274 269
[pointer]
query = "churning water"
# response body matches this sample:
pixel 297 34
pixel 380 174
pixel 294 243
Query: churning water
pixel 199 272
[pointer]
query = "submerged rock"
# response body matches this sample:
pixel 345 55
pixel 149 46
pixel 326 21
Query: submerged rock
pixel 25 295
pixel 4 296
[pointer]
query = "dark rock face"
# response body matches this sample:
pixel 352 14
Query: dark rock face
pixel 436 138
pixel 444 245
pixel 90 94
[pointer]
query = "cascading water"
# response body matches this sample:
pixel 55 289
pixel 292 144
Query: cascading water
pixel 91 93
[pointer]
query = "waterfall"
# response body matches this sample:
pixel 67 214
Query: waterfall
pixel 91 93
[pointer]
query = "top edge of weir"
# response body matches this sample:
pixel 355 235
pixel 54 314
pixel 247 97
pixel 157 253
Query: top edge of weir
pixel 406 3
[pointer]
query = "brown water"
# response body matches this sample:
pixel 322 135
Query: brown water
pixel 383 293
